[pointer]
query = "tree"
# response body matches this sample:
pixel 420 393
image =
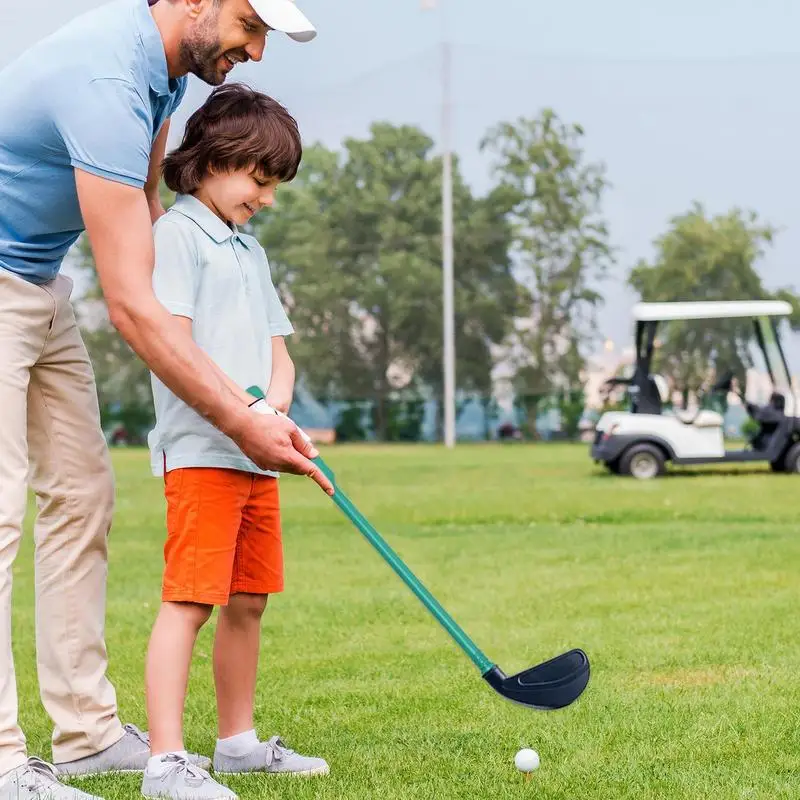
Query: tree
pixel 702 257
pixel 560 248
pixel 355 247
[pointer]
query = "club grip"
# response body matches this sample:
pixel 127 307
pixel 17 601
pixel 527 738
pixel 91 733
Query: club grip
pixel 261 406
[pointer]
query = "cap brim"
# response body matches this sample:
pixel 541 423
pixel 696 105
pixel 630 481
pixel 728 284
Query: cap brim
pixel 286 17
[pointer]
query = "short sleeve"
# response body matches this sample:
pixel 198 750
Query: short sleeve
pixel 107 131
pixel 176 277
pixel 279 324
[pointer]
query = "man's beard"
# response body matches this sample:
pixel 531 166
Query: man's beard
pixel 200 54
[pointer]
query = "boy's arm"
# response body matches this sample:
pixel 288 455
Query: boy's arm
pixel 281 384
pixel 154 174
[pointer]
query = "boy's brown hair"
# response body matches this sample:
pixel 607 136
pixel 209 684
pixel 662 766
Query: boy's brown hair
pixel 236 128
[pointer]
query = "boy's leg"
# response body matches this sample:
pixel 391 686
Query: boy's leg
pixel 204 508
pixel 204 512
pixel 71 475
pixel 236 647
pixel 258 572
pixel 25 314
pixel 169 657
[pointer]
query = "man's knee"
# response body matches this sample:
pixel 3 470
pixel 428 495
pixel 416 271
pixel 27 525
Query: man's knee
pixel 96 498
pixel 103 491
pixel 86 502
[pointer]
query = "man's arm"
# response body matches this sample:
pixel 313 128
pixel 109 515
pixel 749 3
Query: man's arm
pixel 281 384
pixel 117 220
pixel 154 174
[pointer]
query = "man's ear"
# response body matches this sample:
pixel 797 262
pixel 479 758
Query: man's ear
pixel 195 8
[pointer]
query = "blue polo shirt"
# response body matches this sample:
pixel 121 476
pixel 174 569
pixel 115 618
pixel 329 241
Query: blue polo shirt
pixel 92 96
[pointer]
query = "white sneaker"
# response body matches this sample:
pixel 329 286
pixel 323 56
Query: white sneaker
pixel 38 780
pixel 182 780
pixel 273 757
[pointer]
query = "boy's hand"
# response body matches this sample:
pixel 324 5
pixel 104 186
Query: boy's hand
pixel 278 402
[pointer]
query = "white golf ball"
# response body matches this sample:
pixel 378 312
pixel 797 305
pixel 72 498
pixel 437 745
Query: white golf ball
pixel 526 760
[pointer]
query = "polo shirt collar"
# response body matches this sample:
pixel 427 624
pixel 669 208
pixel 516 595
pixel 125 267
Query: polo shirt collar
pixel 208 221
pixel 153 45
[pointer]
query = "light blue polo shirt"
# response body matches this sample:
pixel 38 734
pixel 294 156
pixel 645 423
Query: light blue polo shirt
pixel 220 279
pixel 93 96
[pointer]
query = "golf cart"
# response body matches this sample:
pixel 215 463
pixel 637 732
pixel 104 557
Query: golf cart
pixel 641 441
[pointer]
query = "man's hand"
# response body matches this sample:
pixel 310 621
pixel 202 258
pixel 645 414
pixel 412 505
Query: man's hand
pixel 283 441
pixel 117 220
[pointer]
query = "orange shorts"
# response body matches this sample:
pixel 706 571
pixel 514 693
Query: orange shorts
pixel 223 535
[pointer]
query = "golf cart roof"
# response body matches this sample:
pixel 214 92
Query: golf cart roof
pixel 726 309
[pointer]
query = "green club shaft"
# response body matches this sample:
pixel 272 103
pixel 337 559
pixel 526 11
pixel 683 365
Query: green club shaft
pixel 396 563
pixel 406 575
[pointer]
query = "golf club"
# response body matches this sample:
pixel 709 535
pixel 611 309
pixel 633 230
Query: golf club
pixel 548 686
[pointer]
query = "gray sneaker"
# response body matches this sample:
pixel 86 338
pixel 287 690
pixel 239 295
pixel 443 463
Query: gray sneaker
pixel 183 781
pixel 273 757
pixel 129 754
pixel 38 780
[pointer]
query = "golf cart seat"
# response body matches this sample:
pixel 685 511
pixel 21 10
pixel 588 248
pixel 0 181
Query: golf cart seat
pixel 769 419
pixel 700 419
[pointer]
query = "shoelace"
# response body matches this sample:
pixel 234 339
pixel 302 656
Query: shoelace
pixel 277 750
pixel 182 766
pixel 36 771
pixel 140 735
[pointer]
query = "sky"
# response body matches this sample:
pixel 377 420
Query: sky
pixel 694 100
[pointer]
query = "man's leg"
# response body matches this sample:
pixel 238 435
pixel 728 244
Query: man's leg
pixel 71 475
pixel 25 314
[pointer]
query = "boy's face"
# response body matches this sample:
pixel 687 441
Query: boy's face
pixel 221 34
pixel 238 196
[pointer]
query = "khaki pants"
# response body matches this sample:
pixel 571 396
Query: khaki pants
pixel 50 438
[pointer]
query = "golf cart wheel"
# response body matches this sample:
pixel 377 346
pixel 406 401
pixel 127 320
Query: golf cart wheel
pixel 643 462
pixel 777 466
pixel 791 463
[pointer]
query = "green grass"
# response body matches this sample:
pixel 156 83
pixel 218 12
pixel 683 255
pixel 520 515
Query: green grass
pixel 683 591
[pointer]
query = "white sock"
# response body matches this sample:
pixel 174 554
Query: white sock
pixel 156 764
pixel 239 745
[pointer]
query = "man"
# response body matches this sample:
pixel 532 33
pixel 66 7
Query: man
pixel 84 117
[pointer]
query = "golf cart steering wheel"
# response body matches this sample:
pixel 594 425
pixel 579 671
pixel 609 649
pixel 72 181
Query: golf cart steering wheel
pixel 723 384
pixel 616 381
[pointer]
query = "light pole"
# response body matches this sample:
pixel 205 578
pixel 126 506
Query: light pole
pixel 448 305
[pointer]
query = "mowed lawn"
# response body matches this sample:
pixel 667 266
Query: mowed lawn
pixel 684 592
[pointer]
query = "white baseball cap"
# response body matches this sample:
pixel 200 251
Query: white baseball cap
pixel 286 17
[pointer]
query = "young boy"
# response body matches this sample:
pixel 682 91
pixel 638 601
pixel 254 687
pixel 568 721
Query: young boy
pixel 223 518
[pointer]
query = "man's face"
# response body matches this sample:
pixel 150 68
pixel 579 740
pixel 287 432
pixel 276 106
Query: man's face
pixel 225 33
